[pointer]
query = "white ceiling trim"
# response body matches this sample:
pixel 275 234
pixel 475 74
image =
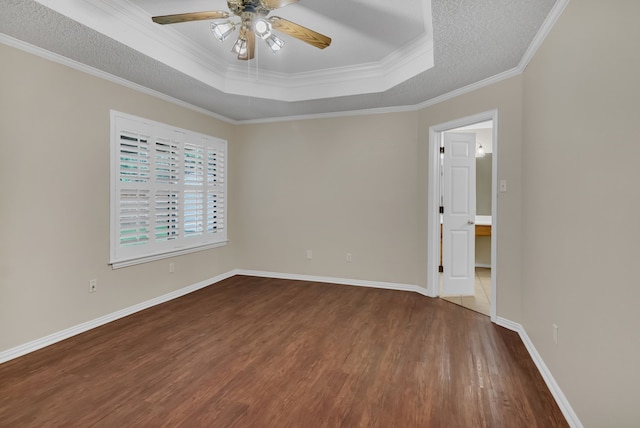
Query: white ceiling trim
pixel 382 110
pixel 131 26
pixel 542 33
pixel 397 67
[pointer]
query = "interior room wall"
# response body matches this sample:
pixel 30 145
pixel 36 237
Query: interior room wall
pixel 483 184
pixel 333 186
pixel 483 251
pixel 54 223
pixel 580 199
pixel 483 205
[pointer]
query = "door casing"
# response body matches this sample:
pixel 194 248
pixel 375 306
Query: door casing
pixel 433 226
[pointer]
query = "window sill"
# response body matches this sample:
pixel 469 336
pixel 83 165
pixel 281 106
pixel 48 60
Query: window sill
pixel 117 264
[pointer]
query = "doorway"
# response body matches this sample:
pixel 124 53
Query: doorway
pixel 483 296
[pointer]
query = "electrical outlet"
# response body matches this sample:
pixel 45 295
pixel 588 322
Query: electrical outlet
pixel 172 267
pixel 93 285
pixel 349 258
pixel 555 334
pixel 309 254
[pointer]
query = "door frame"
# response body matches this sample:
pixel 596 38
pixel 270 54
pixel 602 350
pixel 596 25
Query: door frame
pixel 433 226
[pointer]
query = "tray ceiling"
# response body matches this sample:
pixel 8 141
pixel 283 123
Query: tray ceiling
pixel 384 54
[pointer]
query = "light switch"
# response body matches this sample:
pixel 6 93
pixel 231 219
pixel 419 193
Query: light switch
pixel 503 185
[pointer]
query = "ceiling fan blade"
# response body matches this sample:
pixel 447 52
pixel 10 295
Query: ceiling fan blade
pixel 299 32
pixel 186 17
pixel 276 4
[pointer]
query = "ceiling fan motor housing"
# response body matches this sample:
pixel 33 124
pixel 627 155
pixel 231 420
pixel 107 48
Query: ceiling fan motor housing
pixel 243 7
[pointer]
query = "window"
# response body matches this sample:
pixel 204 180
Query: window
pixel 168 190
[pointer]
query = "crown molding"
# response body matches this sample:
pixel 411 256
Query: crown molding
pixel 397 109
pixel 399 66
pixel 542 33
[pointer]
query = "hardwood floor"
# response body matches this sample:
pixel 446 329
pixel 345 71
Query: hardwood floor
pixel 255 352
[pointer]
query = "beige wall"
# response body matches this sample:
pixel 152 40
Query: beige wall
pixel 54 223
pixel 483 251
pixel 581 201
pixel 332 186
pixel 483 204
pixel 483 184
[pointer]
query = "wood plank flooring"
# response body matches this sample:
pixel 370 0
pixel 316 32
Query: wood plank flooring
pixel 255 352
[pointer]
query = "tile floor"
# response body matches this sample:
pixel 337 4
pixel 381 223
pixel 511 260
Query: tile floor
pixel 481 301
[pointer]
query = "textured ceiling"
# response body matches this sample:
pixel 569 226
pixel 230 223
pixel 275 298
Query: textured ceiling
pixel 473 41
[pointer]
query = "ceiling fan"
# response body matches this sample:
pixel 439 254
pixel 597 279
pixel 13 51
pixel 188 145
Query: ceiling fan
pixel 253 22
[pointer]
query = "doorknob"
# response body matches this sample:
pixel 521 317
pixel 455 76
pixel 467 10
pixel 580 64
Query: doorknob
pixel 471 222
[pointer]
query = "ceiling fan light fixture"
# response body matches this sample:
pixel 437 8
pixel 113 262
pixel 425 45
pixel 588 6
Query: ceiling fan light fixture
pixel 240 48
pixel 262 28
pixel 275 44
pixel 254 22
pixel 222 30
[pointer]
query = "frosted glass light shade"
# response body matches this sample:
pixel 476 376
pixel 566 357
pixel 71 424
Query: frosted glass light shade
pixel 222 30
pixel 274 43
pixel 240 48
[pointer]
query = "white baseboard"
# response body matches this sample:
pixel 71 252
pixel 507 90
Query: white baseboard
pixel 558 395
pixel 34 345
pixel 483 265
pixel 42 342
pixel 332 280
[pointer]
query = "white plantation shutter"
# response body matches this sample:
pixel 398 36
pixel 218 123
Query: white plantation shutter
pixel 193 164
pixel 193 213
pixel 193 195
pixel 215 212
pixel 167 215
pixel 133 218
pixel 168 190
pixel 167 165
pixel 215 190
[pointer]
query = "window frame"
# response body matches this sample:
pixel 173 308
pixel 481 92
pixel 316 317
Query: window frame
pixel 196 180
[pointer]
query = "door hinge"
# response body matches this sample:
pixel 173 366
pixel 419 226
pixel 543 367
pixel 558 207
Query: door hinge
pixel 440 268
pixel 441 149
pixel 441 210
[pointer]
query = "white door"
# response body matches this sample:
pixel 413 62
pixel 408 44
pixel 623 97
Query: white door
pixel 459 200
